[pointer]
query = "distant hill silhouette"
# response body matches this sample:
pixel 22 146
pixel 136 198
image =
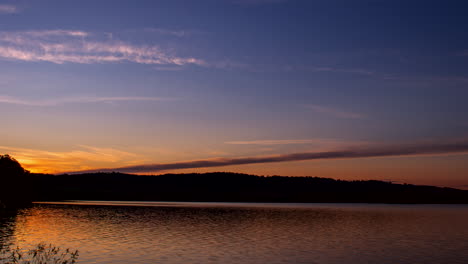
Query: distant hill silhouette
pixel 234 187
pixel 19 188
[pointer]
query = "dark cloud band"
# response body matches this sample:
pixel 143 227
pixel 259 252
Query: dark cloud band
pixel 377 151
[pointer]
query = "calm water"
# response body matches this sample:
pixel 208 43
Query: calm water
pixel 119 232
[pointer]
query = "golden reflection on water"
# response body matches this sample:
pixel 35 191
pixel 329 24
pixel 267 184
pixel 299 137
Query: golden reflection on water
pixel 227 233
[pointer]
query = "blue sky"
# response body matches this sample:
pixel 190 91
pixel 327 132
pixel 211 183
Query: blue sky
pixel 165 81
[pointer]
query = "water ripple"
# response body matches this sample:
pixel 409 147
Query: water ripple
pixel 245 233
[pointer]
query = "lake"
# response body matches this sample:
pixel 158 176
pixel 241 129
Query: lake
pixel 174 232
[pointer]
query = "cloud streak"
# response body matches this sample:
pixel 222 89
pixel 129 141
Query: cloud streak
pixel 276 142
pixel 315 141
pixel 351 153
pixel 175 33
pixel 69 46
pixel 335 112
pixel 332 69
pixel 8 9
pixel 71 100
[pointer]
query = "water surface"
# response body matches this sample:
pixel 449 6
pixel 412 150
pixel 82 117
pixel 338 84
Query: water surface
pixel 172 232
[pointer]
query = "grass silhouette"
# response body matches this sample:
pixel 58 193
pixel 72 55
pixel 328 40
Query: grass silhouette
pixel 41 254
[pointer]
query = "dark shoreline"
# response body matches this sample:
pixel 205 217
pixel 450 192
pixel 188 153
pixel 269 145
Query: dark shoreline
pixel 234 187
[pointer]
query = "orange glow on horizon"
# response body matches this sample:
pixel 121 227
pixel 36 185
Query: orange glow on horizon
pixel 440 170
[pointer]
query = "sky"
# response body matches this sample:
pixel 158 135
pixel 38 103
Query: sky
pixel 365 89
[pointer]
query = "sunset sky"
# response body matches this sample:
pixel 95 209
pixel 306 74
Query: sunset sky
pixel 106 84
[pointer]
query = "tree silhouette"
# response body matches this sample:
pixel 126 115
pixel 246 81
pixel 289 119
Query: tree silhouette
pixel 15 188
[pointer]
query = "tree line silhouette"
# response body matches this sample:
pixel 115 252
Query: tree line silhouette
pixel 15 183
pixel 17 188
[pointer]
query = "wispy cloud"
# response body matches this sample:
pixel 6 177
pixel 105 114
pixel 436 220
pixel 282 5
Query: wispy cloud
pixel 275 142
pixel 69 46
pixel 8 9
pixel 71 100
pixel 316 141
pixel 82 157
pixel 343 70
pixel 349 153
pixel 317 144
pixel 259 67
pixel 336 112
pixel 176 33
pixel 48 33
